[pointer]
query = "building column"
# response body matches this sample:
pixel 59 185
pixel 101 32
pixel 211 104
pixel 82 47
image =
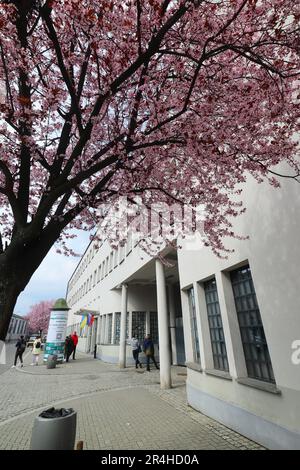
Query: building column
pixel 129 324
pixel 89 339
pixel 122 349
pixel 102 337
pixel 172 324
pixel 163 327
pixel 93 337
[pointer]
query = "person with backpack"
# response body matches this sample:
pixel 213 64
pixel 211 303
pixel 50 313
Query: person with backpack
pixel 36 351
pixel 69 347
pixel 21 346
pixel 148 348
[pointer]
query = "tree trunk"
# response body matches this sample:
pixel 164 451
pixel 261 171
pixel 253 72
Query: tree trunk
pixel 10 289
pixel 17 265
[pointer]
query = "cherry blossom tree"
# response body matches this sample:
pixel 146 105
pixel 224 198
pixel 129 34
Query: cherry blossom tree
pixel 171 100
pixel 39 315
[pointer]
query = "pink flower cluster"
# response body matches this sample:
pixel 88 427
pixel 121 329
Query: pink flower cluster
pixel 168 100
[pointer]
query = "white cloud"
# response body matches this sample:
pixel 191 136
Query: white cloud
pixel 50 280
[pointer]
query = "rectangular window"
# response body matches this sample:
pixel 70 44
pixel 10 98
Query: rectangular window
pixel 15 327
pixel 127 325
pixel 154 327
pixel 103 329
pixel 106 266
pixel 139 325
pixel 195 337
pixel 111 259
pixel 117 327
pixel 215 326
pixel 255 346
pixel 109 328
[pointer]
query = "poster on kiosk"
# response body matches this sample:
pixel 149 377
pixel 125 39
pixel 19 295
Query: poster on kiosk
pixel 57 331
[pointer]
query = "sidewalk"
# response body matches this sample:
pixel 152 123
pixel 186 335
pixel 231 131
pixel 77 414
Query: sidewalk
pixel 116 409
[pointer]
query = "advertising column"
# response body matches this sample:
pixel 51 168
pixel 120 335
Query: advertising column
pixel 57 330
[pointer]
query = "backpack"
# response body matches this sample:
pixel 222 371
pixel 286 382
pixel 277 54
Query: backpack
pixel 38 345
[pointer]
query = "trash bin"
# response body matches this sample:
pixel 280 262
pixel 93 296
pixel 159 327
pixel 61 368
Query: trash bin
pixel 54 429
pixel 51 361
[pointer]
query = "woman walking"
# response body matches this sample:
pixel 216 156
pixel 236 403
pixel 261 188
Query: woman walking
pixel 21 346
pixel 36 351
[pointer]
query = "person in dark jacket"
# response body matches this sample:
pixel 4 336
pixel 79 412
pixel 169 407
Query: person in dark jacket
pixel 148 348
pixel 69 346
pixel 21 346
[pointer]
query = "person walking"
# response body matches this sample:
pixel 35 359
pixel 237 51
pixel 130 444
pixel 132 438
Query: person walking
pixel 136 349
pixel 36 351
pixel 148 348
pixel 21 346
pixel 69 346
pixel 75 342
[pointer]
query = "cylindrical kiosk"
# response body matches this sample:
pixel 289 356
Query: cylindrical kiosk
pixel 57 331
pixel 54 429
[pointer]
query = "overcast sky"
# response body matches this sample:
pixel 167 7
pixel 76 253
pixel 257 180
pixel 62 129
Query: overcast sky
pixel 50 280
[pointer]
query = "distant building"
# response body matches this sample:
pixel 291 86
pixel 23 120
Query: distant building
pixel 18 326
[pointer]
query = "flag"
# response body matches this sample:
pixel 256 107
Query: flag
pixel 90 319
pixel 83 321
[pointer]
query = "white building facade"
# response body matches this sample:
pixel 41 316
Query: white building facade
pixel 18 326
pixel 233 323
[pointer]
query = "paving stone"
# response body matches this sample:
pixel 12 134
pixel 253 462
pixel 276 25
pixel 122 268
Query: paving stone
pixel 116 409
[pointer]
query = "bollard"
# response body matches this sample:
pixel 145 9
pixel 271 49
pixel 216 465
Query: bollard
pixel 51 361
pixel 95 351
pixel 54 429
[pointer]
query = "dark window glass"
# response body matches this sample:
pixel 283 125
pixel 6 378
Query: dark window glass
pixel 154 327
pixel 109 328
pixel 215 326
pixel 139 325
pixel 117 327
pixel 255 346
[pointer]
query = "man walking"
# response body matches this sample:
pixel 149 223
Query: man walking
pixel 148 348
pixel 136 349
pixel 75 341
pixel 21 346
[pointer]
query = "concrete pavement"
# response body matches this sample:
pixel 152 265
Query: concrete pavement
pixel 116 409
